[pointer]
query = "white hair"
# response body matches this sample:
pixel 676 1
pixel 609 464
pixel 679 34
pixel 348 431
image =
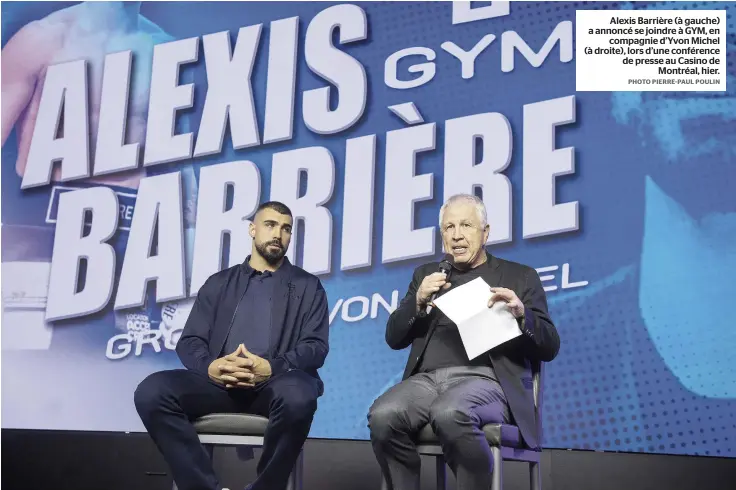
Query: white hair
pixel 480 207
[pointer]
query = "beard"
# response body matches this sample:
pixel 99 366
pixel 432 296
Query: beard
pixel 271 255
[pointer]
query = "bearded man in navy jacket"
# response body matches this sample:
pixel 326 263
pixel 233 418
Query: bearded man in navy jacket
pixel 253 342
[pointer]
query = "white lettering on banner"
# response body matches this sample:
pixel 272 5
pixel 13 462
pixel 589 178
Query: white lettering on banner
pixel 357 207
pixel 565 283
pixel 335 309
pixel 318 166
pixel 214 221
pixel 542 164
pixel 126 212
pixel 140 334
pixel 464 12
pixel 511 42
pixel 159 206
pixel 403 190
pixel 168 97
pixel 366 307
pixel 111 153
pixel 547 277
pixel 362 311
pixel 71 245
pixel 467 58
pixel 120 346
pixel 333 40
pixel 342 70
pixel 64 98
pixel 377 300
pixel 283 42
pixel 229 91
pixel 427 69
pixel 229 95
pixel 464 173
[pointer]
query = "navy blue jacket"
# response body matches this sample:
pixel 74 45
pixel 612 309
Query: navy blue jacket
pixel 299 306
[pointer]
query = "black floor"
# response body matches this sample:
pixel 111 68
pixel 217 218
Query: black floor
pixel 33 460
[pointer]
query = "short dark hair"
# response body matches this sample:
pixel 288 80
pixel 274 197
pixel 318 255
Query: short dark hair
pixel 279 207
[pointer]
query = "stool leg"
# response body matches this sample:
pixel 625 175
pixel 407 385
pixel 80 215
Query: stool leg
pixel 497 481
pixel 441 470
pixel 535 476
pixel 297 474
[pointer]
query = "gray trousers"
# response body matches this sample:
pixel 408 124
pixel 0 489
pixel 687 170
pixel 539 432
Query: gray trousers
pixel 457 402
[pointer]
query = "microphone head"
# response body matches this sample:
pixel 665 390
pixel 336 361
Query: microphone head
pixel 447 263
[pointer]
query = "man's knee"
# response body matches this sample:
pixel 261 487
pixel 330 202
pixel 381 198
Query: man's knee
pixel 385 418
pixel 150 394
pixel 297 400
pixel 449 420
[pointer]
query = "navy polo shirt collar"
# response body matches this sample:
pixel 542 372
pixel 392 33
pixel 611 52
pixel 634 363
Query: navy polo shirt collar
pixel 250 271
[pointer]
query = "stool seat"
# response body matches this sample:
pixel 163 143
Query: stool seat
pixel 236 424
pixel 243 431
pixel 496 435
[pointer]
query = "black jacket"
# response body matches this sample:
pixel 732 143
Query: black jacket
pixel 512 360
pixel 299 306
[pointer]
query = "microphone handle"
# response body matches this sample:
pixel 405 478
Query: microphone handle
pixel 428 310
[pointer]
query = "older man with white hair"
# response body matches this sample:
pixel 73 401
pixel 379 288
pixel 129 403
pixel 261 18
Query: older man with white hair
pixel 444 388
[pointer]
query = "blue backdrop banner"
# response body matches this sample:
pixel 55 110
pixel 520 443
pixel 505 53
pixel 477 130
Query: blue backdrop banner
pixel 138 139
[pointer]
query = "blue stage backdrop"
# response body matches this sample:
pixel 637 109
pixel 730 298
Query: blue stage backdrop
pixel 172 121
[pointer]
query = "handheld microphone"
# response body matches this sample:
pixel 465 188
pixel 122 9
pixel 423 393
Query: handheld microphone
pixel 444 267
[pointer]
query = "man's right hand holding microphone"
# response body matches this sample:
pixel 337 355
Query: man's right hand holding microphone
pixel 429 286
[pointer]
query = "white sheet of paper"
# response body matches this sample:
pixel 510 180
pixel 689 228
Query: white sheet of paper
pixel 481 328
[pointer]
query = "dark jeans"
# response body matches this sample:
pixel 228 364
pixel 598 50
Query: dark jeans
pixel 169 401
pixel 457 402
